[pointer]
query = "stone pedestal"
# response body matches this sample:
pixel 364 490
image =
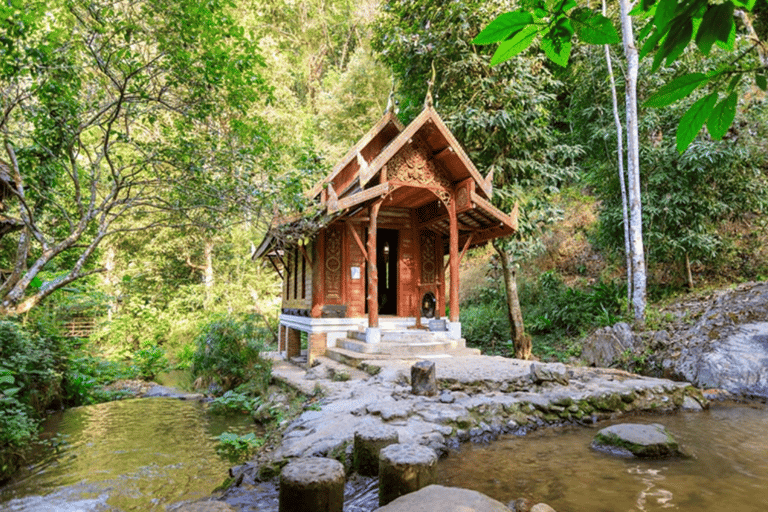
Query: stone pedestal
pixel 312 484
pixel 423 380
pixel 368 443
pixel 405 468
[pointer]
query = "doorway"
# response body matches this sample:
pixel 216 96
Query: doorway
pixel 386 264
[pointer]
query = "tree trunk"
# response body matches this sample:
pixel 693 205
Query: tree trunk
pixel 688 272
pixel 206 268
pixel 522 343
pixel 620 162
pixel 633 167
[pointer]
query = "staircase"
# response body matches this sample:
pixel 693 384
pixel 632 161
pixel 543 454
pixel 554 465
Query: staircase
pixel 397 343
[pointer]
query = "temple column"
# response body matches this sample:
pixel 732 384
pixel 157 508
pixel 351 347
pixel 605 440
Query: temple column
pixel 373 333
pixel 454 326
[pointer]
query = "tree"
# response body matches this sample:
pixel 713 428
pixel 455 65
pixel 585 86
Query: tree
pixel 99 104
pixel 502 115
pixel 670 29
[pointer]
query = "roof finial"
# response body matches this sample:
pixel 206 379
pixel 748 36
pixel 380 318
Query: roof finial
pixel 430 84
pixel 392 103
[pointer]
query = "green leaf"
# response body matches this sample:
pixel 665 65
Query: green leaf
pixel 676 89
pixel 715 26
pixel 594 28
pixel 503 26
pixel 746 4
pixel 694 120
pixel 734 81
pixel 729 43
pixel 722 117
pixel 665 11
pixel 761 82
pixel 680 33
pixel 651 42
pixel 557 48
pixel 521 41
pixel 36 282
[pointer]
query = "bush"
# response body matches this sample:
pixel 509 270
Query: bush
pixel 553 307
pixel 229 354
pixel 232 402
pixel 236 448
pixel 485 322
pixel 150 361
pixel 30 381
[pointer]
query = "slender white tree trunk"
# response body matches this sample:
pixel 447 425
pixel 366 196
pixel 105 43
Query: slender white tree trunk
pixel 633 166
pixel 620 161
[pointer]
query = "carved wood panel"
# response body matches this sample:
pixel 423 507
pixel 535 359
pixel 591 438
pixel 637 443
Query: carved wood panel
pixel 412 165
pixel 333 264
pixel 428 267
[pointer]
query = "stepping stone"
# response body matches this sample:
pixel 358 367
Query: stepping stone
pixel 404 468
pixel 369 441
pixel 312 484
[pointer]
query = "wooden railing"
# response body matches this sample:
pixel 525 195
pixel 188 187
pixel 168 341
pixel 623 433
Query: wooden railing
pixel 79 327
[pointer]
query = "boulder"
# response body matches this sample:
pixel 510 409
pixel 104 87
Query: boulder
pixel 444 499
pixel 610 345
pixel 636 440
pixel 549 372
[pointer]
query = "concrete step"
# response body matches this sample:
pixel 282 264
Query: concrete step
pixel 350 357
pixel 408 346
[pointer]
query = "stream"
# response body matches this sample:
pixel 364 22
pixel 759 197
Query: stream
pixel 138 454
pixel 146 454
pixel 727 468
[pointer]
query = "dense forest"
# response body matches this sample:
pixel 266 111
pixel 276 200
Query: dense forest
pixel 146 146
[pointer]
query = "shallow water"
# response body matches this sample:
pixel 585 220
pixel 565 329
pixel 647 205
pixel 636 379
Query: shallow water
pixel 727 470
pixel 140 454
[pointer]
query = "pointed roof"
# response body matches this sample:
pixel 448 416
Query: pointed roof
pixel 362 176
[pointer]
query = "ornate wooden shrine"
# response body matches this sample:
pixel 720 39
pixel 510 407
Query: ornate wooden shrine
pixel 399 211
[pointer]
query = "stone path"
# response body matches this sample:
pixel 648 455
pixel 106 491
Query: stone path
pixel 481 398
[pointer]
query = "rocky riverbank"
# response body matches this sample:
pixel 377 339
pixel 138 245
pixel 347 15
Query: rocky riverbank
pixel 480 399
pixel 714 340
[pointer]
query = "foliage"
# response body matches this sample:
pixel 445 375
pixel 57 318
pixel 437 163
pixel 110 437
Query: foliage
pixel 233 402
pixel 568 310
pixel 85 375
pixel 669 27
pixel 150 361
pixel 30 381
pixel 555 314
pixel 485 322
pixel 114 114
pixel 238 448
pixel 229 353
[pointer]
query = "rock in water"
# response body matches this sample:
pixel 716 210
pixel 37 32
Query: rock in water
pixel 444 499
pixel 423 379
pixel 405 468
pixel 635 440
pixel 313 484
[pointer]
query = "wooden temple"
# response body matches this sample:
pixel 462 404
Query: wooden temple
pixel 399 212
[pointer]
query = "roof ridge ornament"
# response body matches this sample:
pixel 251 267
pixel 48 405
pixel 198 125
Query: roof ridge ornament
pixel 392 104
pixel 430 83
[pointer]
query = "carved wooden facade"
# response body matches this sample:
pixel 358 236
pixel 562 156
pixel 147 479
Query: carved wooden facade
pixel 403 206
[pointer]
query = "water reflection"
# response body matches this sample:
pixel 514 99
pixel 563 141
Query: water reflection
pixel 728 467
pixel 126 455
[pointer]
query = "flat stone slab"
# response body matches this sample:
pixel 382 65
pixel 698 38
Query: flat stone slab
pixel 444 499
pixel 632 439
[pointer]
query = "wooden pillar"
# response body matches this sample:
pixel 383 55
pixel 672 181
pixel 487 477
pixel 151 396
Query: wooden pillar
pixel 318 276
pixel 453 303
pixel 373 272
pixel 416 237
